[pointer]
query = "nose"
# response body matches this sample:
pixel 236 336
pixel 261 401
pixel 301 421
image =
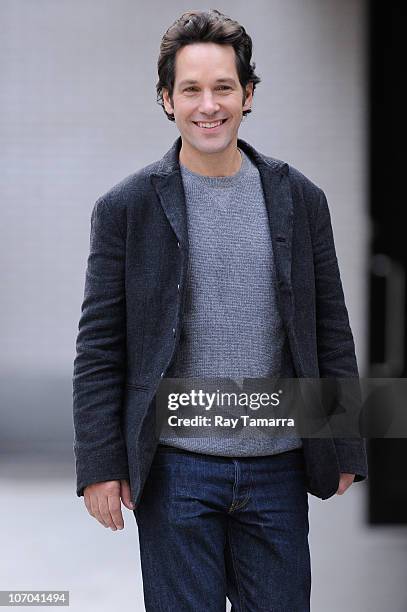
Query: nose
pixel 207 104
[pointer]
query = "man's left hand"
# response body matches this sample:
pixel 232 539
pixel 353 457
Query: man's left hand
pixel 344 482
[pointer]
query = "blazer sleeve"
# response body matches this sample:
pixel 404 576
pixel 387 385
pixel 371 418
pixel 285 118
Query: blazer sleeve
pixel 100 362
pixel 336 349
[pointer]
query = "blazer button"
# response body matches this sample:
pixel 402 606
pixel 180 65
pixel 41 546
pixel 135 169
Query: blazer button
pixel 174 331
pixel 178 245
pixel 178 287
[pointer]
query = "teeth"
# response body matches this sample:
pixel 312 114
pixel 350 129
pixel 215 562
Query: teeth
pixel 209 125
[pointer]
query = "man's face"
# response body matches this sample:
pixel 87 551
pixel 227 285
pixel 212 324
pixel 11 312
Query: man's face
pixel 207 89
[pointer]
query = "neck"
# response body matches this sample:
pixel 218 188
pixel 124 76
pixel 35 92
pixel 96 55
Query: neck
pixel 223 163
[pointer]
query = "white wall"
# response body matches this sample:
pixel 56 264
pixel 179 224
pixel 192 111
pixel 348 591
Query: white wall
pixel 78 113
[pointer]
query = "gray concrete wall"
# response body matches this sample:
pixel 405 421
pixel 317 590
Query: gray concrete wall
pixel 78 113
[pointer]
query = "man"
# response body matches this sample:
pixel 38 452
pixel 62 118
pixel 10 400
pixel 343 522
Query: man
pixel 216 260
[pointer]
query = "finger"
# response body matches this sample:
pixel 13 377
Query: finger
pixel 105 513
pixel 95 510
pixel 115 511
pixel 126 494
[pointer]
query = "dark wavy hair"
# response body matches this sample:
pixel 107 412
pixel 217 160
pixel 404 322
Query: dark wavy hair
pixel 204 26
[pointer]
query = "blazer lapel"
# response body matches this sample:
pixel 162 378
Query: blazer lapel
pixel 170 191
pixel 167 182
pixel 279 203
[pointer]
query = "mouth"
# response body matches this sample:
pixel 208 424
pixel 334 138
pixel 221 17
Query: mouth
pixel 210 126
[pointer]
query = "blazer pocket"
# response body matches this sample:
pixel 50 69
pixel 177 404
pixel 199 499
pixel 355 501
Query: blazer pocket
pixel 137 387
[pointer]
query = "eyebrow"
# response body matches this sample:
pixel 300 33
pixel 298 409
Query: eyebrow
pixel 193 82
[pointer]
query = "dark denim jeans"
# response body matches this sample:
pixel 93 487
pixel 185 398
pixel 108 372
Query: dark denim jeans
pixel 211 527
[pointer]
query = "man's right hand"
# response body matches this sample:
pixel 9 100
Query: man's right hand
pixel 102 500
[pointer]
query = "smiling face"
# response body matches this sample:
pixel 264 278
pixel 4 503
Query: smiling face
pixel 207 91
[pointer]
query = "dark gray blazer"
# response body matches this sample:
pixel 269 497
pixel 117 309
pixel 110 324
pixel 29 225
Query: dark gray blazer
pixel 131 316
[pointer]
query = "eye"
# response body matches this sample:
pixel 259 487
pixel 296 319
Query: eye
pixel 223 87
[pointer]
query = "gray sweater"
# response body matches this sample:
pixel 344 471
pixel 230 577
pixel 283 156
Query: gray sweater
pixel 231 324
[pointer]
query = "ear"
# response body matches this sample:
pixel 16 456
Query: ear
pixel 167 103
pixel 249 96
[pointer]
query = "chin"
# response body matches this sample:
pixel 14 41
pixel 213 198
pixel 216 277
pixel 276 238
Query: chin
pixel 212 147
